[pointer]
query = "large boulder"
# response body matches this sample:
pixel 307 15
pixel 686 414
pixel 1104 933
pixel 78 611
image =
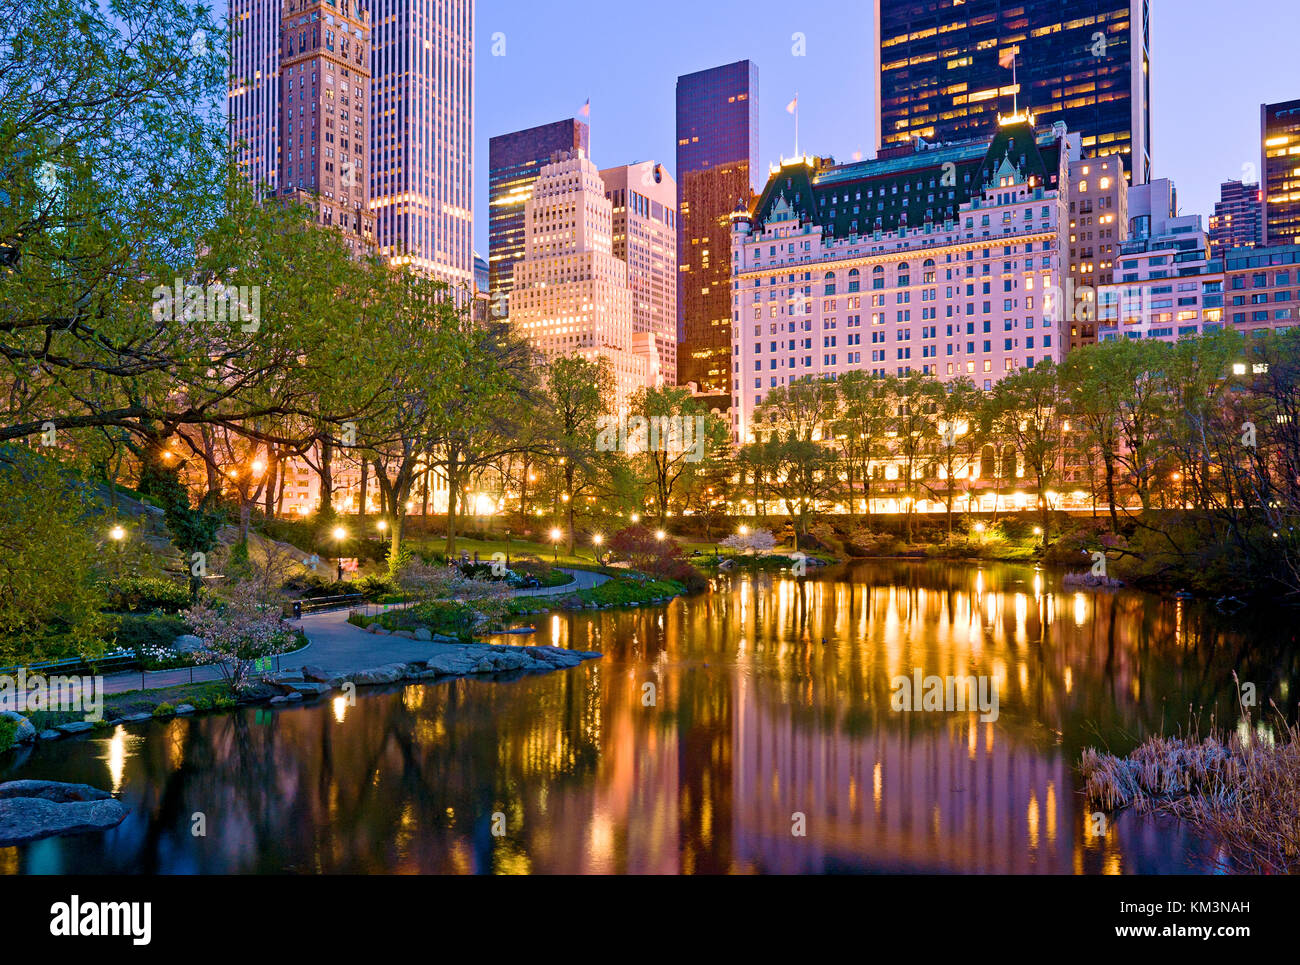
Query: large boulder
pixel 31 810
pixel 387 674
pixel 455 662
pixel 26 732
pixel 187 643
pixel 422 633
pixel 55 791
pixel 315 675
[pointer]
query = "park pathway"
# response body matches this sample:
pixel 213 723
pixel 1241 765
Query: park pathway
pixel 333 645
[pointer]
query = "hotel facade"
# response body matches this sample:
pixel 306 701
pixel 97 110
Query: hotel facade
pixel 947 260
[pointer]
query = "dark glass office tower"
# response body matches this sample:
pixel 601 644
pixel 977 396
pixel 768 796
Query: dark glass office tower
pixel 514 161
pixel 1280 133
pixel 1238 220
pixel 943 71
pixel 717 157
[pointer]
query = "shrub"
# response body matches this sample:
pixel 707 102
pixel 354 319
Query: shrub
pixel 8 730
pixel 863 542
pixel 136 631
pixel 374 587
pixel 141 594
pixel 164 710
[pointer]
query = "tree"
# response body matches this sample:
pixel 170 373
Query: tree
pixel 956 417
pixel 1029 411
pixel 576 397
pixel 682 438
pixel 52 548
pixel 866 403
pixel 915 433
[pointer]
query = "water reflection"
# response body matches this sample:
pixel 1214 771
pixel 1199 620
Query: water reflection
pixel 770 701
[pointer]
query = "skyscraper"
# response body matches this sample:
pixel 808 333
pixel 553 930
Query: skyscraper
pixel 945 69
pixel 514 161
pixel 253 121
pixel 717 157
pixel 644 199
pixel 571 296
pixel 1280 134
pixel 421 141
pixel 1238 219
pixel 1098 225
pixel 324 108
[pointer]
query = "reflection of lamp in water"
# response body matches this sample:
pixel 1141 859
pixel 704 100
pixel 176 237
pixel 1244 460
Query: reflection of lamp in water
pixel 116 759
pixel 340 708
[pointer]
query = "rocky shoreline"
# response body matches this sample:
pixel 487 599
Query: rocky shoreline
pixel 448 660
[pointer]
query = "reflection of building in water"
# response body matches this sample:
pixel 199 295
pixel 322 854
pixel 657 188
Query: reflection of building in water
pixel 906 795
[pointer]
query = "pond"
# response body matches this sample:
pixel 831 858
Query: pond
pixel 748 729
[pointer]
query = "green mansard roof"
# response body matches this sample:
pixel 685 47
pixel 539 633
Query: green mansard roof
pixel 824 193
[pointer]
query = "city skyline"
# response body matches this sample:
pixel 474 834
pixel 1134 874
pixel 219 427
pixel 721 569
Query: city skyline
pixel 1203 133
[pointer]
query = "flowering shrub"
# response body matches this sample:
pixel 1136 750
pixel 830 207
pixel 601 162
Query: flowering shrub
pixel 237 631
pixel 753 541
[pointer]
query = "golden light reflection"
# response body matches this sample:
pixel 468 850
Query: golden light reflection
pixel 340 705
pixel 116 757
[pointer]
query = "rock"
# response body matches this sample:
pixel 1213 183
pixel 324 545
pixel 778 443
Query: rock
pixel 184 709
pixel 25 819
pixel 484 666
pixel 187 643
pixel 456 662
pixel 422 633
pixel 293 696
pixel 375 627
pixel 310 689
pixel 26 731
pixel 55 791
pixel 315 675
pixel 408 634
pixel 279 700
pixel 133 718
pixel 554 656
pixel 49 735
pixel 286 677
pixel 76 727
pixel 387 674
pixel 443 638
pixel 509 658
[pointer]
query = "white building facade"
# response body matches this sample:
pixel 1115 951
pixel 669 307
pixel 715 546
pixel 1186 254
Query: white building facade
pixel 822 285
pixel 571 294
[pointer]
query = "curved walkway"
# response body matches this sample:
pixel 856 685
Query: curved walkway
pixel 333 644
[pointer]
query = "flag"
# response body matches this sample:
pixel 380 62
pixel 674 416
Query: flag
pixel 1008 57
pixel 789 108
pixel 586 108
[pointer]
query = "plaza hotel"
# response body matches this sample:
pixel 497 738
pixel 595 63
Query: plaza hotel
pixel 939 259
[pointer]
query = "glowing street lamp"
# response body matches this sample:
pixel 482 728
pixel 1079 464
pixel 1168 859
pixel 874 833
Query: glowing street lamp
pixel 555 543
pixel 660 534
pixel 340 534
pixel 596 540
pixel 117 534
pixel 636 518
pixel 382 525
pixel 744 530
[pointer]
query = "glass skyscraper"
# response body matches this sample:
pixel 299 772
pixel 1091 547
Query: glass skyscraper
pixel 944 72
pixel 717 155
pixel 421 135
pixel 514 162
pixel 1280 133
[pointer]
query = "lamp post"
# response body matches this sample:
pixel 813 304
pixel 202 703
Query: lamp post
pixel 660 535
pixel 596 540
pixel 507 549
pixel 555 544
pixel 340 534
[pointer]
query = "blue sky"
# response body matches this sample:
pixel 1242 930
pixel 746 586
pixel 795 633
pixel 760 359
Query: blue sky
pixel 1210 73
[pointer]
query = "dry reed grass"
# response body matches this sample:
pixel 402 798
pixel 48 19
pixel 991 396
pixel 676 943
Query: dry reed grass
pixel 1245 792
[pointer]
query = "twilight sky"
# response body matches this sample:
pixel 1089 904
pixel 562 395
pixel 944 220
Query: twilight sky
pixel 1211 69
